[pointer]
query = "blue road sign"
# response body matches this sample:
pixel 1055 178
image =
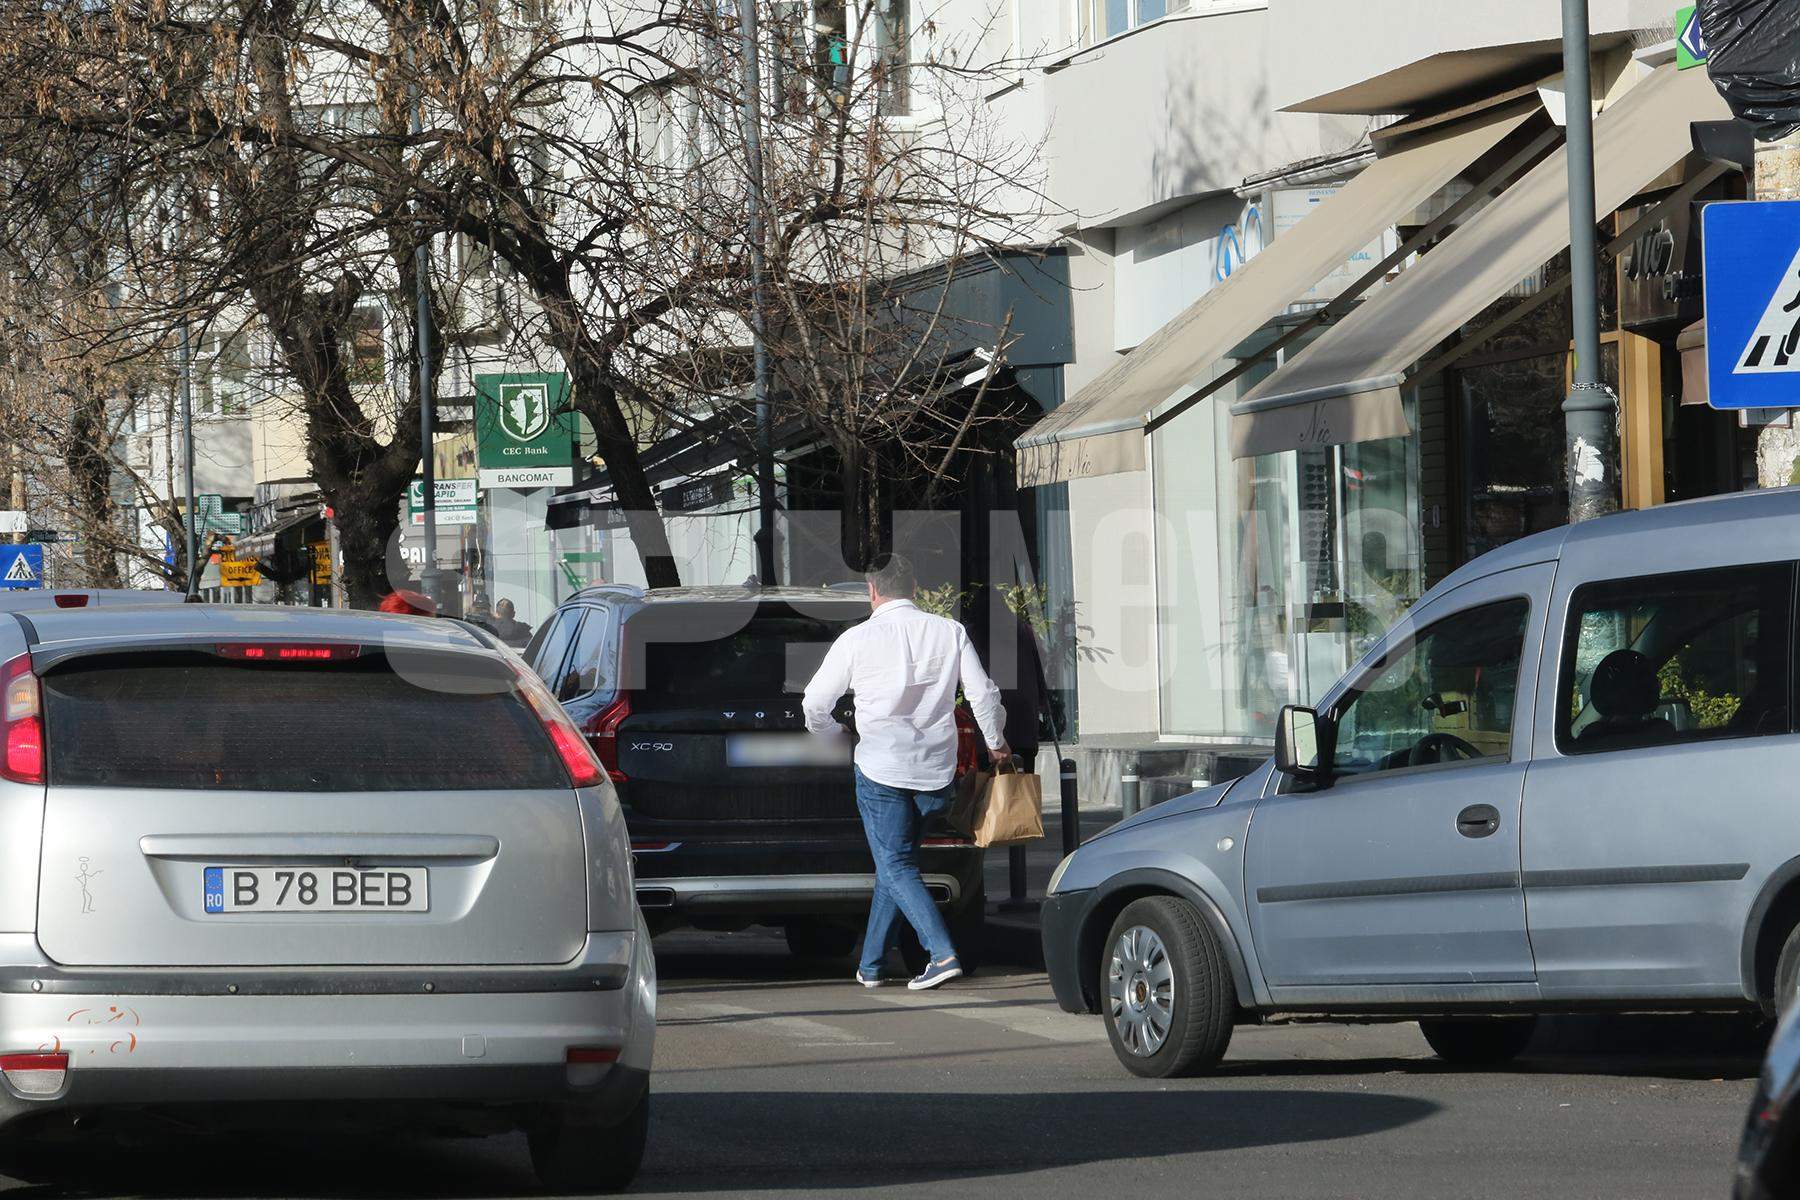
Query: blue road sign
pixel 22 565
pixel 1752 268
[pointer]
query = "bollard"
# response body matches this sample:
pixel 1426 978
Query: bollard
pixel 1128 789
pixel 1015 881
pixel 1071 816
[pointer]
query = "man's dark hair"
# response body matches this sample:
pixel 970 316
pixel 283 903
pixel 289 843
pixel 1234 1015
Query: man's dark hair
pixel 893 577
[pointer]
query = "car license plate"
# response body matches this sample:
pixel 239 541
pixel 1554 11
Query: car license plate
pixel 786 750
pixel 314 889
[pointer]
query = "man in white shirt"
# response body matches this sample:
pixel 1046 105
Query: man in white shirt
pixel 904 666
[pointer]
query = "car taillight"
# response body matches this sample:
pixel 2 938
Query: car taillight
pixel 577 758
pixel 71 599
pixel 35 1074
pixel 287 651
pixel 968 742
pixel 587 1065
pixel 21 711
pixel 603 735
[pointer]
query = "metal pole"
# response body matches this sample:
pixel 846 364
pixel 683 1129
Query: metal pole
pixel 751 119
pixel 1590 411
pixel 1071 810
pixel 191 535
pixel 1128 787
pixel 429 577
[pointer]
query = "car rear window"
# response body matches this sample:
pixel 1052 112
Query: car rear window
pixel 692 655
pixel 193 719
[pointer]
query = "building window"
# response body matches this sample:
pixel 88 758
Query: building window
pixel 222 372
pixel 893 53
pixel 366 347
pixel 1110 18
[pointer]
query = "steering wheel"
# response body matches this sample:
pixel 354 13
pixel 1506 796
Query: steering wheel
pixel 1438 748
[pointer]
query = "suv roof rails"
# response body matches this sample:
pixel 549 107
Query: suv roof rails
pixel 630 590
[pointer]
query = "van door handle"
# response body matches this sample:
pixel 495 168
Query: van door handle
pixel 1478 821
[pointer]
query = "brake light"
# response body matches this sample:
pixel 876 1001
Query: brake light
pixel 35 1074
pixel 21 712
pixel 71 599
pixel 286 651
pixel 603 735
pixel 577 758
pixel 968 741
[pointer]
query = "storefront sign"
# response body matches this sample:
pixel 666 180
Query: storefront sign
pixel 522 440
pixel 709 491
pixel 236 573
pixel 1690 42
pixel 1659 272
pixel 1291 206
pixel 321 562
pixel 457 502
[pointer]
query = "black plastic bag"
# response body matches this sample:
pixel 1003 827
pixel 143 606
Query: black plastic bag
pixel 1753 56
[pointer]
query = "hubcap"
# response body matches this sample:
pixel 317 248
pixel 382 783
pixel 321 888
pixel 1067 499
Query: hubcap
pixel 1140 990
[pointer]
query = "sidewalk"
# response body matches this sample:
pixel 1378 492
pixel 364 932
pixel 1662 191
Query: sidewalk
pixel 1013 936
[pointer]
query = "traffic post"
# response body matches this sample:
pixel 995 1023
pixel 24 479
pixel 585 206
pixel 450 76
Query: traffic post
pixel 1752 282
pixel 21 565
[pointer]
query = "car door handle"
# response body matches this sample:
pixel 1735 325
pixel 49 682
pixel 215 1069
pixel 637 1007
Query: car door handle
pixel 1478 821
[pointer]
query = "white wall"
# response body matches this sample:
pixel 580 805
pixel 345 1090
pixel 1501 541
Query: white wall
pixel 1175 110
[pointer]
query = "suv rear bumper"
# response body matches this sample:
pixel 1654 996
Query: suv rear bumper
pixel 485 1047
pixel 778 894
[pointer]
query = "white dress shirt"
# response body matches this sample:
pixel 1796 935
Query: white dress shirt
pixel 904 666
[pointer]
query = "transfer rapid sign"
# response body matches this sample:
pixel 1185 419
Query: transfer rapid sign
pixel 1752 269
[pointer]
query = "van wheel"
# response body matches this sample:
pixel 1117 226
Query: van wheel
pixel 819 939
pixel 1479 1041
pixel 571 1156
pixel 1166 991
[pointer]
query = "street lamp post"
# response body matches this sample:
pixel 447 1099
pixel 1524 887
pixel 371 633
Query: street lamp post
pixel 191 535
pixel 750 117
pixel 1590 412
pixel 430 578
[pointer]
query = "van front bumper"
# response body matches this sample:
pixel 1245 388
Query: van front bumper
pixel 310 1034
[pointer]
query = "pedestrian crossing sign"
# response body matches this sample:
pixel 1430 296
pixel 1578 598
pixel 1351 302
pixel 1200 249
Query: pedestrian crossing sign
pixel 1752 284
pixel 22 565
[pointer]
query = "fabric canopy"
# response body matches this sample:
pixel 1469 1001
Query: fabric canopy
pixel 1345 387
pixel 1100 430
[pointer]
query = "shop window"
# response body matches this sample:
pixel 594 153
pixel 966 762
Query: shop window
pixel 1673 658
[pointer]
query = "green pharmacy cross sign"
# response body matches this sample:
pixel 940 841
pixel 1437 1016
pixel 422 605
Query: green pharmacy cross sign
pixel 523 439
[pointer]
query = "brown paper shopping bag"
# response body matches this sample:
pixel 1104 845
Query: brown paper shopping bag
pixel 1007 807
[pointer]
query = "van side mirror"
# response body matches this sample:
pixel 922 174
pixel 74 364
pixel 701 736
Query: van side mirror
pixel 1302 741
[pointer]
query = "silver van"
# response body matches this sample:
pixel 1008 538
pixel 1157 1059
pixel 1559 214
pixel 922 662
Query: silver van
pixel 364 861
pixel 1569 779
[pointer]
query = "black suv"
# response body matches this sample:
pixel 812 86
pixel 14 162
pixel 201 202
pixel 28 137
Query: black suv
pixel 691 698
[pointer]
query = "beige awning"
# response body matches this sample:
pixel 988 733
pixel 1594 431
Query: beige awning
pixel 1345 387
pixel 1100 429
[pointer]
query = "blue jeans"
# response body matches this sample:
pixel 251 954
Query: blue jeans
pixel 892 818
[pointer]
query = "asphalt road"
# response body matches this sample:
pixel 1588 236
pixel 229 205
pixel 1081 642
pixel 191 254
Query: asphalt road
pixel 775 1078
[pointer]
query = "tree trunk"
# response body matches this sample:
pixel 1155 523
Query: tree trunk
pixel 89 462
pixel 860 511
pixel 596 400
pixel 366 518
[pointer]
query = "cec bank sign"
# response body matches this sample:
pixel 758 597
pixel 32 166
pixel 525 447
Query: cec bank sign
pixel 522 438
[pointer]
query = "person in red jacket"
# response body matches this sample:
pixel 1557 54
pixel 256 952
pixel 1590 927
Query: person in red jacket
pixel 407 602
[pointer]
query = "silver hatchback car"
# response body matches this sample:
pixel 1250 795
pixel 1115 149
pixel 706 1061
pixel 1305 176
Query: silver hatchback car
pixel 1566 780
pixel 253 854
